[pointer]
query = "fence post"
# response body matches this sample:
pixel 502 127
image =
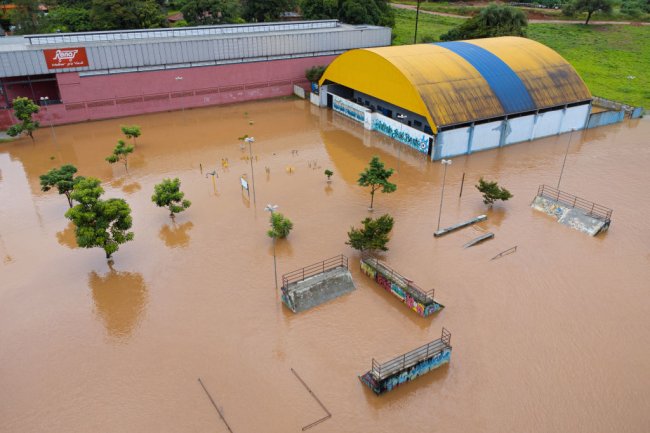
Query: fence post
pixel 592 208
pixel 574 201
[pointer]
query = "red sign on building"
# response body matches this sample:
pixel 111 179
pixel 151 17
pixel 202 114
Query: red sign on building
pixel 66 58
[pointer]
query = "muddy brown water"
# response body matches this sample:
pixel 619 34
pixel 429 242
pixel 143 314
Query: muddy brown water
pixel 553 338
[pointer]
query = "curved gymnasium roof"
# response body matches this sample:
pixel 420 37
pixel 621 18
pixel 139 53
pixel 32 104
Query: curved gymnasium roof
pixel 458 82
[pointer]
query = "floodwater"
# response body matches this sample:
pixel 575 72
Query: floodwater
pixel 552 338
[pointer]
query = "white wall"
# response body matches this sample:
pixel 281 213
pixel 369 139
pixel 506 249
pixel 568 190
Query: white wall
pixel 575 118
pixel 486 136
pixel 547 124
pixel 452 143
pixel 350 109
pixel 519 129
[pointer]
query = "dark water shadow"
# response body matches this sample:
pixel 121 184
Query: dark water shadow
pixel 67 237
pixel 328 189
pixel 176 236
pixel 120 299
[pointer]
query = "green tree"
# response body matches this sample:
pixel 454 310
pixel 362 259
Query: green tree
pixel 26 16
pixel 67 19
pixel 329 173
pixel 120 153
pixel 132 131
pixel 280 226
pixel 24 109
pixel 494 20
pixel 374 235
pixel 168 194
pixel 314 73
pixel 375 12
pixel 376 176
pixel 589 6
pixel 206 12
pixel 319 9
pixel 61 178
pixel 99 223
pixel 492 191
pixel 267 10
pixel 126 14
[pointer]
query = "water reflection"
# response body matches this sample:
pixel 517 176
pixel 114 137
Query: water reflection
pixel 131 188
pixel 176 236
pixel 328 189
pixel 120 299
pixel 67 237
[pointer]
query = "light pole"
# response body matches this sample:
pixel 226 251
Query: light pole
pixel 271 208
pixel 565 155
pixel 44 101
pixel 401 118
pixel 178 80
pixel 444 162
pixel 250 141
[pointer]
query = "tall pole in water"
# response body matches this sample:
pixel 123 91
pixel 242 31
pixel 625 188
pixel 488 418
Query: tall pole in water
pixel 250 141
pixel 444 162
pixel 271 208
pixel 565 155
pixel 417 17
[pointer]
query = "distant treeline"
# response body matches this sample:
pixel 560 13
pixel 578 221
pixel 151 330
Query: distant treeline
pixel 33 16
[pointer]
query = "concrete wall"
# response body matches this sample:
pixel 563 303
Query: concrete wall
pixel 605 118
pixel 412 137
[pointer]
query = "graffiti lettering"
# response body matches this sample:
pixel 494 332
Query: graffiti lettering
pixel 416 371
pixel 420 144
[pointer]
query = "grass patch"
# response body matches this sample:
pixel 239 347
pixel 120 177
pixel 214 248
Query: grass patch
pixel 604 56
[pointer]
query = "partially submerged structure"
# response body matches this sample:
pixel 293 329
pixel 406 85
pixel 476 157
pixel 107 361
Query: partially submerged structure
pixel 102 74
pixel 570 210
pixel 454 98
pixel 404 289
pixel 316 284
pixel 384 377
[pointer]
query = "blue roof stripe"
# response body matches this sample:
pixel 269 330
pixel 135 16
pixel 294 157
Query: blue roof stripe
pixel 504 82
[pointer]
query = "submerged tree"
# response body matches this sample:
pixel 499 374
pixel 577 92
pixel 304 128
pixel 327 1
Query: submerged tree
pixel 61 178
pixel 329 173
pixel 24 110
pixel 492 191
pixel 376 176
pixel 132 131
pixel 120 153
pixel 99 223
pixel 373 236
pixel 280 226
pixel 168 194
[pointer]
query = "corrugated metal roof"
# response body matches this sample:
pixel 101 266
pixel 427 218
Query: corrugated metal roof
pixel 549 78
pixel 503 81
pixel 449 86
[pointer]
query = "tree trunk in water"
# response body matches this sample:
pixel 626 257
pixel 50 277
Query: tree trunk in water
pixel 31 135
pixel 67 195
pixel 372 198
pixel 588 17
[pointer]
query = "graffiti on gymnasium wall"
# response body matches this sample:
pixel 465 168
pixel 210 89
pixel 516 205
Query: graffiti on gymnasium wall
pixel 418 140
pixel 349 109
pixel 405 293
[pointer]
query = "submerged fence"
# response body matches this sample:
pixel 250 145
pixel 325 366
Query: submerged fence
pixel 315 269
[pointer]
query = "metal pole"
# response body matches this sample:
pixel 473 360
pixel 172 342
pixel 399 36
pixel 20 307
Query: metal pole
pixel 462 182
pixel 445 162
pixel 564 162
pixel 417 17
pixel 250 153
